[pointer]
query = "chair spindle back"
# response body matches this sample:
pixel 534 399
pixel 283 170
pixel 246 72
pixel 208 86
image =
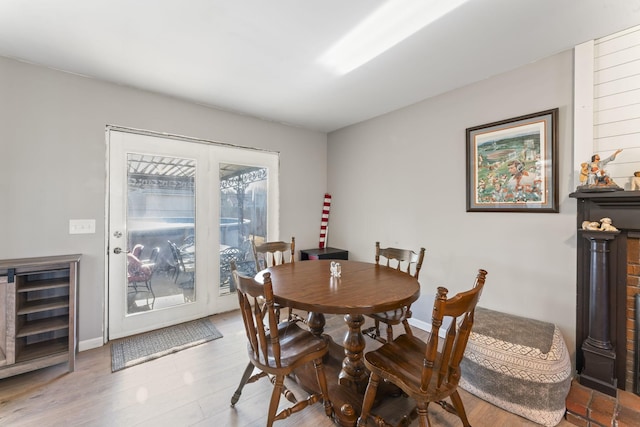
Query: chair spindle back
pixel 259 316
pixel 396 258
pixel 268 254
pixel 460 309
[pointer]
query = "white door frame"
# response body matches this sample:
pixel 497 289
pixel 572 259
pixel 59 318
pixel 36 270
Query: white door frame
pixel 207 207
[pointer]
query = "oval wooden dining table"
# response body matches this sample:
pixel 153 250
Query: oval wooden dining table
pixel 363 288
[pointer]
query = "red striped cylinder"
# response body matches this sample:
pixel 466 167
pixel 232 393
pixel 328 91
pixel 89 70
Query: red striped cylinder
pixel 325 220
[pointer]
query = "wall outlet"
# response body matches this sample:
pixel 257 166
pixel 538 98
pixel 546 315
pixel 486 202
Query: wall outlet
pixel 82 226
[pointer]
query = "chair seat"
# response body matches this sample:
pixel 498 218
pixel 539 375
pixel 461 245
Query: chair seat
pixel 138 278
pixel 393 317
pixel 397 361
pixel 140 273
pixel 298 347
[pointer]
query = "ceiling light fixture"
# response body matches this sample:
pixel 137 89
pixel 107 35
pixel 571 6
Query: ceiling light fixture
pixel 393 22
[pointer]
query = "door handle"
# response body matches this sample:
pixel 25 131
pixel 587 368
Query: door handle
pixel 117 250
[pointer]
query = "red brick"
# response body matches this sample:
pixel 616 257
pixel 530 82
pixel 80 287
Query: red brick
pixel 578 399
pixel 602 408
pixel 576 420
pixel 627 418
pixel 633 250
pixel 629 400
pixel 629 382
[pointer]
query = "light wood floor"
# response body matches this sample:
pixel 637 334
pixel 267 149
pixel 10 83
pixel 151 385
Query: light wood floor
pixel 189 388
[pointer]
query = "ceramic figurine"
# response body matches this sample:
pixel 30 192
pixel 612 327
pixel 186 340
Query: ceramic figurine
pixel 595 175
pixel 336 269
pixel 606 225
pixel 584 173
pixel 635 181
pixel 590 225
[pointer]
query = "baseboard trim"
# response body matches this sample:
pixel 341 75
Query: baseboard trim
pixel 420 324
pixel 90 344
pixel 426 326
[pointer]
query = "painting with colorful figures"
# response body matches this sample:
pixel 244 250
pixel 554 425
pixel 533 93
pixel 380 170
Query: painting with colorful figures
pixel 511 164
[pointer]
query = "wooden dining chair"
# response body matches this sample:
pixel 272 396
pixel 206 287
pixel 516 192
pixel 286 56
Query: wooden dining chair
pixel 402 260
pixel 275 348
pixel 427 371
pixel 268 254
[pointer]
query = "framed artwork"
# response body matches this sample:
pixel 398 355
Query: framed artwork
pixel 512 166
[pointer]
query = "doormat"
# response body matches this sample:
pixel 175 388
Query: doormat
pixel 141 348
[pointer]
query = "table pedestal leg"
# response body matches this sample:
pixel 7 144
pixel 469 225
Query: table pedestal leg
pixel 353 371
pixel 347 376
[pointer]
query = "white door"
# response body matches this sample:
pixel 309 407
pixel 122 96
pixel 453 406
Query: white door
pixel 169 238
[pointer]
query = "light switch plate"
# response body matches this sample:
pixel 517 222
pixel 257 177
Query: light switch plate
pixel 82 226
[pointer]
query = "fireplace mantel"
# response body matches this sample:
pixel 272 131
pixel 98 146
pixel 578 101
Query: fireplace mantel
pixel 623 207
pixel 603 266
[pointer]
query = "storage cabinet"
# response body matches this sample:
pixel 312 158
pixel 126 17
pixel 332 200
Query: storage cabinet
pixel 38 325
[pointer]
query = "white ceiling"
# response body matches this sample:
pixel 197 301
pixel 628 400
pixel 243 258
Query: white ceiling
pixel 258 57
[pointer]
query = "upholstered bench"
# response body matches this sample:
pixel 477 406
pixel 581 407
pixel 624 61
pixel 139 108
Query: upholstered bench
pixel 518 364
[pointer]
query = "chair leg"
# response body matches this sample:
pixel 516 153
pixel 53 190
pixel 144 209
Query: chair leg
pixel 295 317
pixel 324 389
pixel 369 397
pixel 377 328
pixel 423 414
pixel 389 332
pixel 245 377
pixel 148 284
pixel 275 399
pixel 457 403
pixel 288 394
pixel 407 328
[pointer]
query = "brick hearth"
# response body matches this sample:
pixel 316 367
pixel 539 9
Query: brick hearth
pixel 590 408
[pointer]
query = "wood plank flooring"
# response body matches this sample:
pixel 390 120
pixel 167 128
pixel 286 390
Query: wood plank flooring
pixel 190 388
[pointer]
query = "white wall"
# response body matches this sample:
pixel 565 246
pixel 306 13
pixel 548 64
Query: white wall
pixel 400 179
pixel 53 166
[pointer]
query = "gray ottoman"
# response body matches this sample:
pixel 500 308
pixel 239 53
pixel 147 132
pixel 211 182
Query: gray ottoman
pixel 518 364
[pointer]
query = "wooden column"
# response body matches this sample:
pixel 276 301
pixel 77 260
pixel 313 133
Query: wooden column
pixel 599 353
